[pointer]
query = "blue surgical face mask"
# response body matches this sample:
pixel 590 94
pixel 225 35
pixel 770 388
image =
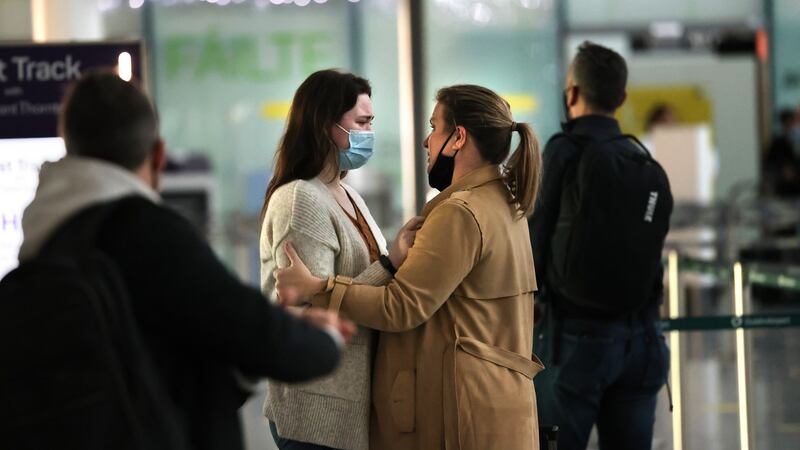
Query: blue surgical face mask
pixel 361 148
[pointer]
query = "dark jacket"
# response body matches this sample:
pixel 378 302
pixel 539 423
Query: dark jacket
pixel 561 153
pixel 200 323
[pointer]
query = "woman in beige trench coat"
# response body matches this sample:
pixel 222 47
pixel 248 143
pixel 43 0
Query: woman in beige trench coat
pixel 454 362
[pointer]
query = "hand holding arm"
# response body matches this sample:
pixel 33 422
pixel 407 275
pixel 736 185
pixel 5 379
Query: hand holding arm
pixel 296 282
pixel 445 250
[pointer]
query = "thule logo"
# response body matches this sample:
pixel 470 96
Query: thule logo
pixel 651 207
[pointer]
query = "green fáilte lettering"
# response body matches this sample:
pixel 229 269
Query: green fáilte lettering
pixel 311 55
pixel 245 57
pixel 175 54
pixel 282 41
pixel 214 57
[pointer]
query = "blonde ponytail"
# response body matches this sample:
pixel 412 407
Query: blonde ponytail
pixel 523 171
pixel 487 117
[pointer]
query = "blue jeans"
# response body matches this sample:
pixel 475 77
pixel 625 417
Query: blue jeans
pixel 288 444
pixel 607 374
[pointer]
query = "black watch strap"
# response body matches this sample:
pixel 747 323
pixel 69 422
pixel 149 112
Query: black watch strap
pixel 387 264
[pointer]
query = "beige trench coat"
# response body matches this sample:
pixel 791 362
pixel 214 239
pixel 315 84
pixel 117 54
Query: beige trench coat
pixel 454 363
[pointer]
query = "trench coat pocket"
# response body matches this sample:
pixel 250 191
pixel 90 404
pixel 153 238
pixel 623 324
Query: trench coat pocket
pixel 489 401
pixel 403 401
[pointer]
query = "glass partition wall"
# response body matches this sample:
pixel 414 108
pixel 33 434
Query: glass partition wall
pixel 224 73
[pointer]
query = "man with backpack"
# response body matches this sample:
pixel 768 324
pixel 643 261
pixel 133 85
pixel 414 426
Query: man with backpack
pixel 597 233
pixel 121 328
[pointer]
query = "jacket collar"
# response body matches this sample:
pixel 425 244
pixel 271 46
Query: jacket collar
pixel 596 126
pixel 471 180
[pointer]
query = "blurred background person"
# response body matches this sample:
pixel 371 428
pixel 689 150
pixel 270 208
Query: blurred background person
pixel 660 114
pixel 781 165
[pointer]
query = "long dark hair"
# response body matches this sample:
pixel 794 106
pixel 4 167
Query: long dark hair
pixel 306 145
pixel 488 119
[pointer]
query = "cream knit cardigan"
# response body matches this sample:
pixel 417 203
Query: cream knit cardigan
pixel 333 411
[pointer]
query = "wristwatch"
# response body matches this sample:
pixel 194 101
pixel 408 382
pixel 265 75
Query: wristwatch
pixel 387 264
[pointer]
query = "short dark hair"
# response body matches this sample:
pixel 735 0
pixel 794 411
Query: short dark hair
pixel 601 75
pixel 105 117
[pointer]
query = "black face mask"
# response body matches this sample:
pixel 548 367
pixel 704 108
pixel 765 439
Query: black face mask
pixel 441 174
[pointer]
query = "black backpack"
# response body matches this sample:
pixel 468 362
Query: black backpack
pixel 74 373
pixel 614 216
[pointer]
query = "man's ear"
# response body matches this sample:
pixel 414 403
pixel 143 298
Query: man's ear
pixel 157 162
pixel 624 97
pixel 158 156
pixel 572 95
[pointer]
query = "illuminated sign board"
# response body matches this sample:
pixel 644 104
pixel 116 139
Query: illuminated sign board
pixel 33 79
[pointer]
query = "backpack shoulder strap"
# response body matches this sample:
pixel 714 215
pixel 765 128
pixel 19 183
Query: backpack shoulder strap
pixel 559 135
pixel 632 138
pixel 79 231
pixel 579 140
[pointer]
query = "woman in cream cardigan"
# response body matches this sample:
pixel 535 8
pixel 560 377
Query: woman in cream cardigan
pixel 329 131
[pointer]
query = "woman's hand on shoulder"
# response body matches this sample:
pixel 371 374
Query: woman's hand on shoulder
pixel 404 241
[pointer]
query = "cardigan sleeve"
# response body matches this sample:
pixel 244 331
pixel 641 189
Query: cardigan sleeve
pixel 446 249
pixel 294 216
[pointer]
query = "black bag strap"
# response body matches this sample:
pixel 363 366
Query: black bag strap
pixel 636 141
pixel 79 231
pixel 581 141
pixel 584 142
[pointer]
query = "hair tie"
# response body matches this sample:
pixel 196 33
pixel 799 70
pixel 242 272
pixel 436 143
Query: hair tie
pixel 514 127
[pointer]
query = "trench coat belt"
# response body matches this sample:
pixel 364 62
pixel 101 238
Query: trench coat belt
pixel 501 357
